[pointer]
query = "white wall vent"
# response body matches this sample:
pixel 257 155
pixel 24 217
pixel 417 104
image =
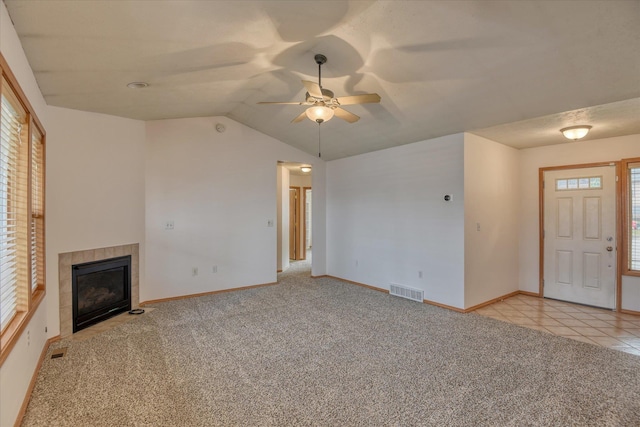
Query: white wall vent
pixel 405 292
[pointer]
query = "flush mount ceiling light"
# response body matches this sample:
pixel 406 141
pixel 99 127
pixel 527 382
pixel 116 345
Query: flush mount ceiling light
pixel 137 85
pixel 305 169
pixel 575 132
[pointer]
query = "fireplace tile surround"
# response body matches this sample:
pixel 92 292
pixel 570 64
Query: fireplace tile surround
pixel 68 259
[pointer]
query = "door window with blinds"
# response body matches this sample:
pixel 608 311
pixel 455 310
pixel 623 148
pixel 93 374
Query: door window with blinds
pixel 632 215
pixel 22 217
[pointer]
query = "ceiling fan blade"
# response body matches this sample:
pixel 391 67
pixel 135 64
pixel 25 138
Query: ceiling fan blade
pixel 345 115
pixel 300 118
pixel 358 99
pixel 313 88
pixel 284 103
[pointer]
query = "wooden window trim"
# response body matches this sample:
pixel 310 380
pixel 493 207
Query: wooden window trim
pixel 14 329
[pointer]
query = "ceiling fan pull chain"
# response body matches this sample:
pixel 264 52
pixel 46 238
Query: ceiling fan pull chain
pixel 319 155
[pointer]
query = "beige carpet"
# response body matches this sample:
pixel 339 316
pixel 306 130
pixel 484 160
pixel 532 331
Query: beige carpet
pixel 327 353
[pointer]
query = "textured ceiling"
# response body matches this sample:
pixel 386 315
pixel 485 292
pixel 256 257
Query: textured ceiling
pixel 513 71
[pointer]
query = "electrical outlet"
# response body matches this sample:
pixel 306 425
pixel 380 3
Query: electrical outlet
pixel 215 269
pixel 169 225
pixel 477 226
pixel 194 271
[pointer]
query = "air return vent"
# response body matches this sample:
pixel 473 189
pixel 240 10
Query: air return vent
pixel 58 353
pixel 408 293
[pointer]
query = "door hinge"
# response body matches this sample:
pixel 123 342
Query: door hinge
pixel 543 185
pixel 616 178
pixel 543 283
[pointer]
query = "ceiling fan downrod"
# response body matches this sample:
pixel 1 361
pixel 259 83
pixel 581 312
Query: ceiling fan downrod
pixel 320 59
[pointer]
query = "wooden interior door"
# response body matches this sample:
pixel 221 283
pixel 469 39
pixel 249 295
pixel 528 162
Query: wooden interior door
pixel 294 223
pixel 580 235
pixel 306 220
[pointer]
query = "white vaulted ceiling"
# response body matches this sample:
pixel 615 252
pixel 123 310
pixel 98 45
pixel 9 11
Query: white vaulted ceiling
pixel 513 71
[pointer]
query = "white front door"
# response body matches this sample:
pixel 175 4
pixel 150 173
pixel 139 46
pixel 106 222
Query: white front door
pixel 580 235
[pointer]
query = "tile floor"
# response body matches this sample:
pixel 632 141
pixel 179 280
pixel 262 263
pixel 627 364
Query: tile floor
pixel 588 324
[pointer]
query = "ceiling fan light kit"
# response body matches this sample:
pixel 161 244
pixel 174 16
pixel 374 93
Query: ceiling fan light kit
pixel 323 105
pixel 576 132
pixel 319 113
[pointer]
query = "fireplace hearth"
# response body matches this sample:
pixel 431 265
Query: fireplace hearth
pixel 100 290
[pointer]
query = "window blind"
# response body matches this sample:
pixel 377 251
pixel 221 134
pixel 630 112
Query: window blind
pixel 37 209
pixel 13 198
pixel 634 216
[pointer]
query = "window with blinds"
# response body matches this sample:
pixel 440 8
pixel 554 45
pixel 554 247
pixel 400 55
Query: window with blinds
pixel 14 155
pixel 37 210
pixel 633 215
pixel 22 211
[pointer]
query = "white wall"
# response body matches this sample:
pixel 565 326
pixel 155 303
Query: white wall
pixel 300 180
pixel 385 212
pixel 19 367
pixel 571 153
pixel 631 293
pixel 491 199
pixel 95 189
pixel 220 191
pixel 319 222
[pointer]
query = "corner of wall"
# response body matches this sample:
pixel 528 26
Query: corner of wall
pixel 491 206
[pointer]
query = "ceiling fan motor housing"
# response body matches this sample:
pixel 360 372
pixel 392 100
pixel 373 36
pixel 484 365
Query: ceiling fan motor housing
pixel 327 96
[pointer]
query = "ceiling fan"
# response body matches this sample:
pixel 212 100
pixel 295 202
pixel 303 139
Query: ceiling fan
pixel 323 105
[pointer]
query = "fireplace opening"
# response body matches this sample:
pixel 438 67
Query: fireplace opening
pixel 101 289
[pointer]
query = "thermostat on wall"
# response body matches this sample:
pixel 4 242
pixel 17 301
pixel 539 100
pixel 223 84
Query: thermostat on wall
pixel 220 127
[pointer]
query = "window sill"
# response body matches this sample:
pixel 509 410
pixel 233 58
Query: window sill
pixel 17 326
pixel 634 273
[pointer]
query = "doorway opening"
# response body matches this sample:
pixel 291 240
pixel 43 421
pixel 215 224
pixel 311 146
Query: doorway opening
pixel 300 200
pixel 296 249
pixel 294 214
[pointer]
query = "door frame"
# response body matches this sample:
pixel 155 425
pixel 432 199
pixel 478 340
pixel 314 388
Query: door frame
pixel 294 223
pixel 297 254
pixel 304 221
pixel 618 217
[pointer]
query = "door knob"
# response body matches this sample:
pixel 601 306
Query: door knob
pixel 609 248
